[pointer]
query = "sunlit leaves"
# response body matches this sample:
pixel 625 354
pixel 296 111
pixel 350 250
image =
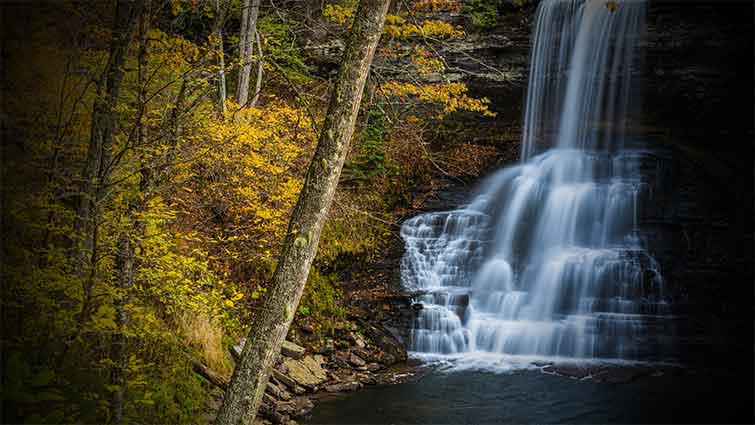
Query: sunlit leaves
pixel 450 96
pixel 398 27
pixel 426 61
pixel 338 13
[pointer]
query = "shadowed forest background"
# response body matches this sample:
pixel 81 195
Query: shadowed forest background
pixel 153 150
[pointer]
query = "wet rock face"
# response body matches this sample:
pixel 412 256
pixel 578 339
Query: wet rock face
pixel 698 68
pixel 697 92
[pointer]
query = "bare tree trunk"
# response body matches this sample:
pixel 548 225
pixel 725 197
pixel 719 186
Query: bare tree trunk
pixel 118 354
pixel 260 69
pixel 272 320
pixel 221 9
pixel 125 256
pixel 246 48
pixel 221 75
pixel 96 172
pixel 242 32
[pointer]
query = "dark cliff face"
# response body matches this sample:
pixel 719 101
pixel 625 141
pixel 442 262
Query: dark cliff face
pixel 697 108
pixel 698 70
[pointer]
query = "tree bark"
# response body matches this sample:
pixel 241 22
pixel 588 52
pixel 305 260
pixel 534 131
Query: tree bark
pixel 272 320
pixel 249 16
pixel 96 172
pixel 260 69
pixel 126 255
pixel 118 353
pixel 217 30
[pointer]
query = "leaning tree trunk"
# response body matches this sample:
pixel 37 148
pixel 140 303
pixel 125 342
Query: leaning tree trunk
pixel 246 47
pixel 272 320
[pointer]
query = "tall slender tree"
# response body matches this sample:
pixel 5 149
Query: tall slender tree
pixel 249 14
pixel 221 8
pixel 125 254
pixel 272 320
pixel 260 70
pixel 96 167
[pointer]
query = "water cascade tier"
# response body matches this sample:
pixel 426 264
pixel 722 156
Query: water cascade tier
pixel 548 258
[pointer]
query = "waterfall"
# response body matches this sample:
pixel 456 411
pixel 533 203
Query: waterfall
pixel 547 259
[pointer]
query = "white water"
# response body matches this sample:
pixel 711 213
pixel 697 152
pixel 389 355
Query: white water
pixel 547 259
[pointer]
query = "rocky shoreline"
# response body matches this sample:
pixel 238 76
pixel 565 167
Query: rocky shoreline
pixel 367 349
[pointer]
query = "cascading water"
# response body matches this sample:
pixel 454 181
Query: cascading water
pixel 547 258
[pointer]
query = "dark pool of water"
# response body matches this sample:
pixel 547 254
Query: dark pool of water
pixel 534 397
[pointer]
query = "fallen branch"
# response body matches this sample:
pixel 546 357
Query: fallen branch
pixel 212 377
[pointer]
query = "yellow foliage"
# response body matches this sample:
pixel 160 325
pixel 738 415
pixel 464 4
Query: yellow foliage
pixel 248 178
pixel 451 96
pixel 398 27
pixel 431 6
pixel 426 62
pixel 339 14
pixel 395 25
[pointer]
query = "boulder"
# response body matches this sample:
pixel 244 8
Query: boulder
pixel 357 340
pixel 294 409
pixel 374 367
pixel 268 399
pixel 302 406
pixel 328 348
pixel 333 388
pixel 333 377
pixel 343 387
pixel 307 372
pixel 392 347
pixel 369 380
pixel 285 407
pixel 288 349
pixel 286 380
pixel 277 392
pixel 356 360
pixel 341 360
pixel 294 351
pixel 388 359
pixel 270 413
pixel 363 353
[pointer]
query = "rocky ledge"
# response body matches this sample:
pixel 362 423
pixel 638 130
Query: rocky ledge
pixel 375 354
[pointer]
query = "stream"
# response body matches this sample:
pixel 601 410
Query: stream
pixel 462 396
